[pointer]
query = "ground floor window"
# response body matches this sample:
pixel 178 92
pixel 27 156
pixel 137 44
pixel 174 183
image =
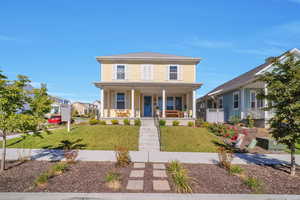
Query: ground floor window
pixel 120 101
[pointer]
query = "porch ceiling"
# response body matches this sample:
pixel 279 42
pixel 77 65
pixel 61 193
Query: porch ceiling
pixel 150 86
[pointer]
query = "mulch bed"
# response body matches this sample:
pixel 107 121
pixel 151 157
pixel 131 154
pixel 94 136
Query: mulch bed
pixel 89 177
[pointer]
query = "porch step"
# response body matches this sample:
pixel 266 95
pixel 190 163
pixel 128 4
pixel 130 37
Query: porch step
pixel 148 140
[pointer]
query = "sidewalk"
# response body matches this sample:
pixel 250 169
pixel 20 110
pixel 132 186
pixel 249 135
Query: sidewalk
pixel 144 156
pixel 142 196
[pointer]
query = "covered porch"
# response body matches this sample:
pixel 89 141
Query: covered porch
pixel 136 100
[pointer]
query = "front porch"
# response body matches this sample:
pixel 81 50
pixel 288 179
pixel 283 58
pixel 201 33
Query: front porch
pixel 137 100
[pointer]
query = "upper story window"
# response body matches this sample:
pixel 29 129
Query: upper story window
pixel 173 72
pixel 236 99
pixel 220 102
pixel 147 72
pixel 120 72
pixel 120 101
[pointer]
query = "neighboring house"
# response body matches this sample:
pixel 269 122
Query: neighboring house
pixel 237 97
pixel 141 84
pixel 97 105
pixel 58 102
pixel 84 108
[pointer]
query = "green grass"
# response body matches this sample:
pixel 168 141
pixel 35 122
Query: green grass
pixel 188 139
pixel 96 137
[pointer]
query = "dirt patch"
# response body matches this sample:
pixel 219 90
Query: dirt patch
pixel 89 177
pixel 20 176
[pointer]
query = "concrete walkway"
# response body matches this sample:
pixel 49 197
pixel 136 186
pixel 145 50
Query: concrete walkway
pixel 148 140
pixel 140 196
pixel 151 156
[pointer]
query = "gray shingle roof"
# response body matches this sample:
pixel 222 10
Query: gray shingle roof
pixel 246 77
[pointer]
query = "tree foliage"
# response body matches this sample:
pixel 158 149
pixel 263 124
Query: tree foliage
pixel 20 110
pixel 283 95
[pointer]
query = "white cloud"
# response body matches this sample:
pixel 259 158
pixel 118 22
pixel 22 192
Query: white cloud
pixel 197 42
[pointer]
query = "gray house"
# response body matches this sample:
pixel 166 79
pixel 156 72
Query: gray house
pixel 237 97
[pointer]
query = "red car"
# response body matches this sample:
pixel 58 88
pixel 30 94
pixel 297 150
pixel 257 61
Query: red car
pixel 55 119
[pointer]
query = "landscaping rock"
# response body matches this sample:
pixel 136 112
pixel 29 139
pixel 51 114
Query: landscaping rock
pixel 135 185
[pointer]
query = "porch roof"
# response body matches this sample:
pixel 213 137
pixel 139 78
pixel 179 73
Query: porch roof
pixel 148 84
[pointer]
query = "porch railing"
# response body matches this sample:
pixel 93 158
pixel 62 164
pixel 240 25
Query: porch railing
pixel 256 113
pixel 156 123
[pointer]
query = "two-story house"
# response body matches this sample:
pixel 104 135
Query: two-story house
pixel 144 84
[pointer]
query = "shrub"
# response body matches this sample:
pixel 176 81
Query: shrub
pixel 205 125
pixel 59 168
pixel 93 121
pixel 112 176
pixel 225 157
pixel 126 122
pixel 235 169
pixel 114 122
pixel 175 123
pixel 102 122
pixel 179 177
pixel 199 122
pixel 250 121
pixel 234 120
pixel 123 158
pixel 162 122
pixel 112 180
pixel 254 184
pixel 42 179
pixel 191 124
pixel 137 122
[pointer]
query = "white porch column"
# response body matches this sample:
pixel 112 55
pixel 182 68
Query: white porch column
pixel 163 103
pixel 266 103
pixel 132 103
pixel 102 103
pixel 188 104
pixel 194 104
pixel 243 103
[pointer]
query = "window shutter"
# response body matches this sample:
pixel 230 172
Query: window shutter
pixel 179 73
pixel 142 72
pixel 114 74
pixel 113 102
pixel 127 100
pixel 151 72
pixel 126 72
pixel 167 73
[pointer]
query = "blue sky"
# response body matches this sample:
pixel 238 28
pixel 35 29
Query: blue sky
pixel 56 41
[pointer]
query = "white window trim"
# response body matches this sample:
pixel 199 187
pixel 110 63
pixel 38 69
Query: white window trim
pixel 116 72
pixel 221 97
pixel 124 101
pixel 237 92
pixel 178 72
pixel 255 100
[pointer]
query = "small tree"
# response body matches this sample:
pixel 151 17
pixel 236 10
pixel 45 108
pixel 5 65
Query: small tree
pixel 14 117
pixel 283 95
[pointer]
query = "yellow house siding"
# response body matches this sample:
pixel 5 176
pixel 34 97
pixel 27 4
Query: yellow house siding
pixel 159 72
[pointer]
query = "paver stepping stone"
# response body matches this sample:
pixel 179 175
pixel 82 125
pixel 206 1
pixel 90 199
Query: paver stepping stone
pixel 161 185
pixel 135 185
pixel 159 173
pixel 159 166
pixel 136 174
pixel 139 165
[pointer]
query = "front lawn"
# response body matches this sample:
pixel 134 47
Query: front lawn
pixel 95 137
pixel 188 139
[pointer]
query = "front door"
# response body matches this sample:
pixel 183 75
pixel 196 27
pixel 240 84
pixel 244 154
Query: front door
pixel 147 106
